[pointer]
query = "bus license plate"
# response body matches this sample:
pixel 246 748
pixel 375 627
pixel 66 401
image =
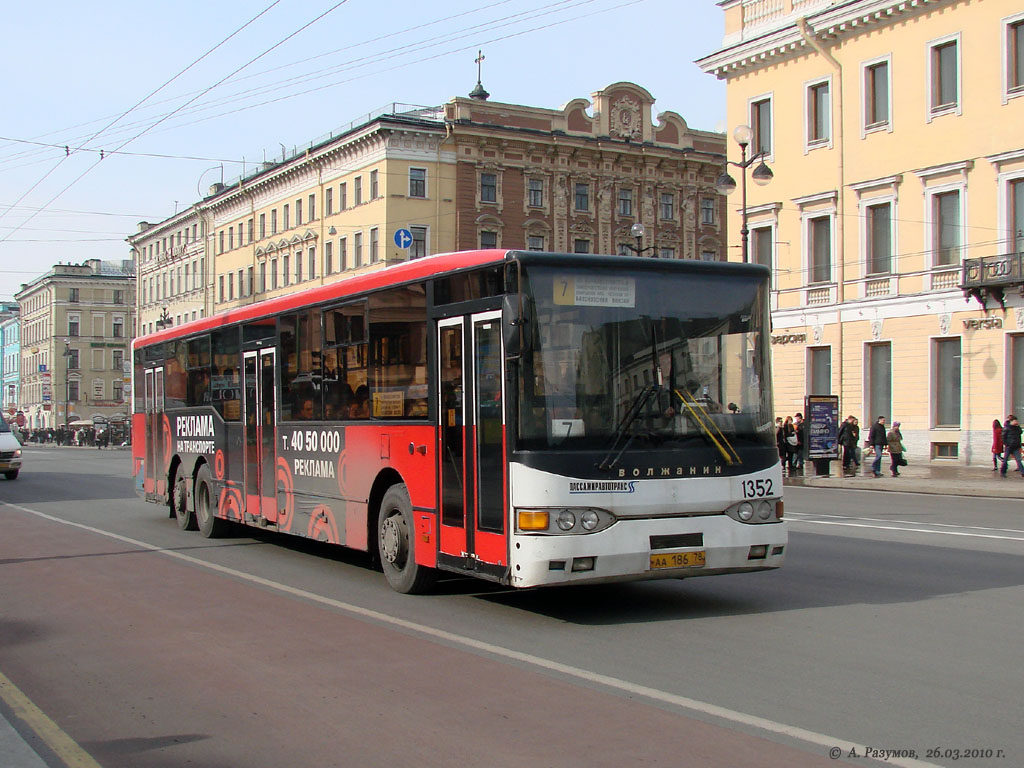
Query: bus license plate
pixel 677 560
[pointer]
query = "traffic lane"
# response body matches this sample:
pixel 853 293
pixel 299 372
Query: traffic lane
pixel 52 475
pixel 151 663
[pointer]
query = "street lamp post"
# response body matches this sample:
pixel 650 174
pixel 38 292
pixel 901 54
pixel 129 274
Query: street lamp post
pixel 67 381
pixel 761 176
pixel 638 231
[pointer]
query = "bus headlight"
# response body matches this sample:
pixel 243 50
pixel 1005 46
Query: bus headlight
pixel 566 520
pixel 745 511
pixel 533 520
pixel 589 520
pixel 764 510
pixel 562 520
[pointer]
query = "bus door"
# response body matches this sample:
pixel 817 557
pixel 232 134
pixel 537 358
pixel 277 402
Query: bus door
pixel 154 406
pixel 260 435
pixel 472 451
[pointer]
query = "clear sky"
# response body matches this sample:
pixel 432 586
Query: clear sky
pixel 108 76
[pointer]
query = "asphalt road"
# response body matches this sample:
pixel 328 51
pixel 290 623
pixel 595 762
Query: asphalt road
pixel 894 626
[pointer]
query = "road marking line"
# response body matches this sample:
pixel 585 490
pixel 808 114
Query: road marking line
pixel 806 515
pixel 62 745
pixel 912 530
pixel 683 702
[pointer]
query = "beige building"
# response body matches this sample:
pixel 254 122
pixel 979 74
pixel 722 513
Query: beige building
pixel 77 322
pixel 893 130
pixel 412 181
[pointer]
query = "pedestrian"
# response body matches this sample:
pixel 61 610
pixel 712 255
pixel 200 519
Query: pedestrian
pixel 780 441
pixel 801 433
pixel 789 443
pixel 849 439
pixel 895 441
pixel 878 441
pixel 997 444
pixel 1011 445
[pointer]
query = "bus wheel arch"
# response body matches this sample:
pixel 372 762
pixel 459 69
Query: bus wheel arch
pixel 207 520
pixel 394 541
pixel 181 510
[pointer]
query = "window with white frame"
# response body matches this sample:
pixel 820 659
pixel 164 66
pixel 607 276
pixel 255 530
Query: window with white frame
pixel 357 190
pixel 946 382
pixel 944 76
pixel 488 188
pixel 118 328
pixel 707 210
pixel 357 249
pixel 328 257
pixel 1015 208
pixel 762 242
pixel 625 202
pixel 374 188
pixel 878 239
pixel 580 245
pixel 761 125
pixel 1016 366
pixel 1014 55
pixel 819 248
pixel 819 113
pixel 488 239
pixel 946 242
pixel 876 95
pixel 666 253
pixel 74 323
pixel 418 182
pixel 819 370
pixel 374 245
pixel 418 248
pixel 535 243
pixel 536 193
pixel 342 254
pixel 668 206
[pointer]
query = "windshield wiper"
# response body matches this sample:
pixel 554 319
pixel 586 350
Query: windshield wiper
pixel 634 410
pixel 707 425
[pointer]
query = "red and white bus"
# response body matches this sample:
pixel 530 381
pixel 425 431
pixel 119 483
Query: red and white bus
pixel 527 418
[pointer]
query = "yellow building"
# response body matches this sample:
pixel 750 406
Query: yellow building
pixel 893 131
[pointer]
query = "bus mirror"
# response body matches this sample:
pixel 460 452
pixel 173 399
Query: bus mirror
pixel 514 321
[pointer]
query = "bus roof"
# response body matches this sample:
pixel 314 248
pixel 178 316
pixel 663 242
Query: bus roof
pixel 431 266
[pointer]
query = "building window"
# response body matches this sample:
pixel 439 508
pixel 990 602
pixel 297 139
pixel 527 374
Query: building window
pixel 298 213
pixel 417 182
pixel 263 277
pixel 342 254
pixel 582 198
pixel 418 248
pixel 312 207
pixel 374 237
pixel 273 222
pixel 358 190
pixel 72 360
pixel 879 238
pixel 946 378
pixel 488 239
pixel 328 257
pixel 286 264
pixel 580 246
pixel 74 323
pixel 73 394
pixel 819 233
pixel 374 189
pixel 876 95
pixel 1015 57
pixel 666 253
pixel 286 217
pixel 946 228
pixel 625 202
pixel 220 241
pixel 819 370
pixel 945 79
pixel 879 381
pixel 818 114
pixel 488 188
pixel 117 360
pixel 761 242
pixel 706 255
pixel 263 225
pixel 707 210
pixel 298 266
pixel 118 328
pixel 761 124
pixel 1016 404
pixel 357 249
pixel 536 197
pixel 668 206
pixel 329 201
pixel 73 294
pixel 231 287
pixel 535 243
pixel 251 281
pixel 1016 189
pixel 343 196
pixel 274 275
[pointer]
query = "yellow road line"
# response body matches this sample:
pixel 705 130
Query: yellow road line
pixel 62 745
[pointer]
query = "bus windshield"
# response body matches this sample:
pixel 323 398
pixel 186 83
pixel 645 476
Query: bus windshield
pixel 647 359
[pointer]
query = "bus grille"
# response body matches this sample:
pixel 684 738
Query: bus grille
pixel 671 541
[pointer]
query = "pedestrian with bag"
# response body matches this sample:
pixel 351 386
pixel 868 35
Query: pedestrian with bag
pixel 800 426
pixel 878 441
pixel 849 439
pixel 1011 445
pixel 790 442
pixel 997 444
pixel 895 441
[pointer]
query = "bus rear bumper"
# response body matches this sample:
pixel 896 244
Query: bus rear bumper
pixel 629 551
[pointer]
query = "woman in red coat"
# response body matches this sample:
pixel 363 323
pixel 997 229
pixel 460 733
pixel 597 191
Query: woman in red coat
pixel 997 443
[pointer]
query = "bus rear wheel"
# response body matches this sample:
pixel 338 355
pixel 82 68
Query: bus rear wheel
pixel 179 504
pixel 395 543
pixel 210 525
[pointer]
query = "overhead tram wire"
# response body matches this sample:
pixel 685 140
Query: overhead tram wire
pixel 393 53
pixel 166 117
pixel 125 113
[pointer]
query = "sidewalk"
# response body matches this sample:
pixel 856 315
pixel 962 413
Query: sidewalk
pixel 920 477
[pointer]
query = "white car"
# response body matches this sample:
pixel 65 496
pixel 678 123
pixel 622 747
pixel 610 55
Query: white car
pixel 10 451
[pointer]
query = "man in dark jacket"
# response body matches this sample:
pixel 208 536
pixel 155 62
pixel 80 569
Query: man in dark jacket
pixel 1011 445
pixel 849 438
pixel 878 441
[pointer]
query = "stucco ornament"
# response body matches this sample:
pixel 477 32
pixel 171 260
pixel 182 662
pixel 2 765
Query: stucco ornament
pixel 1020 318
pixel 876 329
pixel 819 334
pixel 944 322
pixel 625 118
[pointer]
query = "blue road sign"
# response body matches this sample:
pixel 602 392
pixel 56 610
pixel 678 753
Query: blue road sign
pixel 403 238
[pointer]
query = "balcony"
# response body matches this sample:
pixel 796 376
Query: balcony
pixel 988 277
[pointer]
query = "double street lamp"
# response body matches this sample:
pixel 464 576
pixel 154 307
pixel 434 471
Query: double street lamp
pixel 761 176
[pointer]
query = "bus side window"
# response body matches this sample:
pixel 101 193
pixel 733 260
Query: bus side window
pixel 198 364
pixel 225 376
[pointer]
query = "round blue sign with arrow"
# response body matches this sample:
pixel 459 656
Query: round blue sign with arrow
pixel 403 238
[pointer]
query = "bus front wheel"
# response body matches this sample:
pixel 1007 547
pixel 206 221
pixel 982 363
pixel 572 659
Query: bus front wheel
pixel 395 543
pixel 179 504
